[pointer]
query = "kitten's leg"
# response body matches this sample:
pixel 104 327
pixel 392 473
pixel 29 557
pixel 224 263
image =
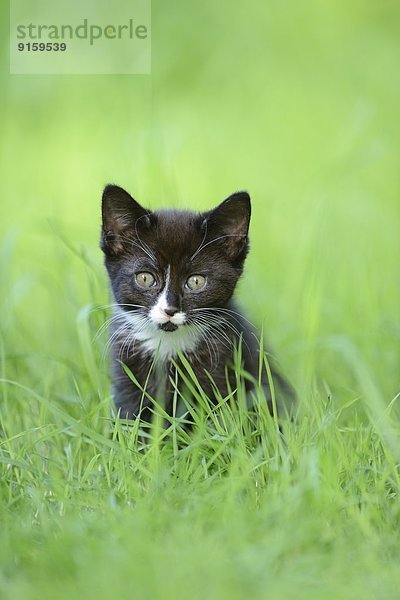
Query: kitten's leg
pixel 130 401
pixel 285 394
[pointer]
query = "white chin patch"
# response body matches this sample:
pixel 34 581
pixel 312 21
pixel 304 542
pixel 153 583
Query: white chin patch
pixel 163 344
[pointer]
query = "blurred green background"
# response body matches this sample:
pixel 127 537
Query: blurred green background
pixel 297 102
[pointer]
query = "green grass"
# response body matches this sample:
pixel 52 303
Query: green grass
pixel 298 103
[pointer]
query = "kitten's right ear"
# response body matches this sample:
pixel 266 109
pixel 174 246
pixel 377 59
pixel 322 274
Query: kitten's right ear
pixel 123 217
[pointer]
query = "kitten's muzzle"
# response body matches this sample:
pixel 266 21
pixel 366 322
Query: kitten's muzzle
pixel 171 310
pixel 165 315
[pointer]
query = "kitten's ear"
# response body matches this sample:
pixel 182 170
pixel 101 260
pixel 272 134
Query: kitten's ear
pixel 123 217
pixel 230 221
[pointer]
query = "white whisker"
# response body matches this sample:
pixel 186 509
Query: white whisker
pixel 201 248
pixel 227 311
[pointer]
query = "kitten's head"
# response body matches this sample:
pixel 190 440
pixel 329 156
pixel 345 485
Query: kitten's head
pixel 166 266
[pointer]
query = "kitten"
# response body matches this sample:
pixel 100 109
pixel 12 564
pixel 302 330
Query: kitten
pixel 173 274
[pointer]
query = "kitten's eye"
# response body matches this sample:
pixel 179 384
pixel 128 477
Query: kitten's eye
pixel 196 283
pixel 145 279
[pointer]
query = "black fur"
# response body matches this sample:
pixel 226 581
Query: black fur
pixel 178 243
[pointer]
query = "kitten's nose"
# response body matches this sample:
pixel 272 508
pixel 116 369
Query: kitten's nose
pixel 172 302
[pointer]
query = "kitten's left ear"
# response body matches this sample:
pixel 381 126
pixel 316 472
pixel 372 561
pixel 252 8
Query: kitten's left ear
pixel 230 221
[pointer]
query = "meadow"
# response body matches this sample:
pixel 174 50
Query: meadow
pixel 298 103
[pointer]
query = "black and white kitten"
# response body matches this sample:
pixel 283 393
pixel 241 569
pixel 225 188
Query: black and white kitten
pixel 173 274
